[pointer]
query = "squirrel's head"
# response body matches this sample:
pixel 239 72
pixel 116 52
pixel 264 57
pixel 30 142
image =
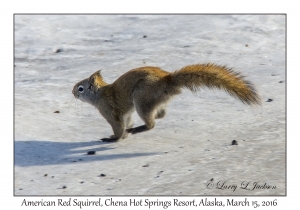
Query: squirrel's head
pixel 86 90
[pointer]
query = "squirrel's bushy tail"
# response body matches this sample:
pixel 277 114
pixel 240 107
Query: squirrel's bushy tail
pixel 210 75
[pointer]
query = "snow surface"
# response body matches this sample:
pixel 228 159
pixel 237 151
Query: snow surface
pixel 187 148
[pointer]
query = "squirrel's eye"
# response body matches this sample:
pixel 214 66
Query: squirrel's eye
pixel 80 89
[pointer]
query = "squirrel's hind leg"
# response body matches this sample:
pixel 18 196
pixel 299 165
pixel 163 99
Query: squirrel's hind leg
pixel 148 113
pixel 161 112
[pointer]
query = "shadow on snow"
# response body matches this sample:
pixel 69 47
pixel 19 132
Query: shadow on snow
pixel 35 152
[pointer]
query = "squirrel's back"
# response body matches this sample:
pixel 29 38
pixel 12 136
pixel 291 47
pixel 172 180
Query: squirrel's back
pixel 149 80
pixel 146 74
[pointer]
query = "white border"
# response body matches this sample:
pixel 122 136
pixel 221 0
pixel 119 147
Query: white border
pixel 8 8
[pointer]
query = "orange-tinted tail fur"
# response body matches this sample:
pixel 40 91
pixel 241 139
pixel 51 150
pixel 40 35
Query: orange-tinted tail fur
pixel 210 75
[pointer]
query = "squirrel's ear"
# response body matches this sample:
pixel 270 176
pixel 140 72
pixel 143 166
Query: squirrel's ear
pixel 96 79
pixel 96 75
pixel 99 72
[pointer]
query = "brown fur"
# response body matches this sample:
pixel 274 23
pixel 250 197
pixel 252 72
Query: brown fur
pixel 148 89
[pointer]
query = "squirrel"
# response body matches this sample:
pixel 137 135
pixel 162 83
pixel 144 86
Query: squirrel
pixel 148 89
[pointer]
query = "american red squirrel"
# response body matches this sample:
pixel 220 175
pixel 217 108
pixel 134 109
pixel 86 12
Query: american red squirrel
pixel 148 89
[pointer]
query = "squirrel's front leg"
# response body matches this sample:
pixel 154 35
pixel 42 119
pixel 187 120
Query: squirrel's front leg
pixel 118 129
